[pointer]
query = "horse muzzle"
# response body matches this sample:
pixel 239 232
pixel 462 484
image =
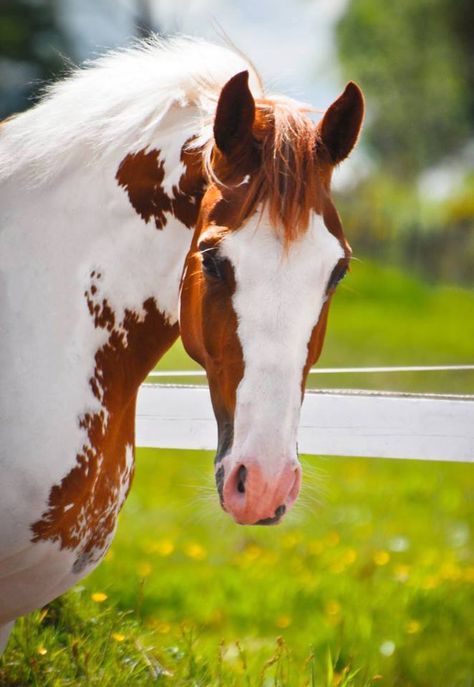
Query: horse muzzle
pixel 257 497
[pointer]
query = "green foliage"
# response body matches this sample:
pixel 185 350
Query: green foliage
pixel 368 581
pixel 31 50
pixel 388 219
pixel 414 60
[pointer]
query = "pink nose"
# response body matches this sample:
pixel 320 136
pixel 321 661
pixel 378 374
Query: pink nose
pixel 253 498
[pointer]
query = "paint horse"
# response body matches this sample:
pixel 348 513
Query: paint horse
pixel 157 192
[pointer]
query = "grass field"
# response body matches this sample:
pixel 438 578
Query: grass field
pixel 368 581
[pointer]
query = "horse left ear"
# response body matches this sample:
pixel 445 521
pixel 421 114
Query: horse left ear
pixel 234 115
pixel 340 126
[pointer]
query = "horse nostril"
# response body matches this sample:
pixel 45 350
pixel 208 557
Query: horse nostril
pixel 241 477
pixel 280 511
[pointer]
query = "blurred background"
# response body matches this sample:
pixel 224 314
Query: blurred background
pixel 407 195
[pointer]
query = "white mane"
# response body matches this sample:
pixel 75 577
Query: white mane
pixel 116 104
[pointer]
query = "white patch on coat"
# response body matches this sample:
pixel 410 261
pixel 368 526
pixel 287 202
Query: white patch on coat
pixel 278 300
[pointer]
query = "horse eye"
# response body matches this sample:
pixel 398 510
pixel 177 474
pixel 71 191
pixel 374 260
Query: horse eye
pixel 211 263
pixel 337 275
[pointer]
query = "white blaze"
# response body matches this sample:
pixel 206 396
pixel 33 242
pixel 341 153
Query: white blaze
pixel 278 300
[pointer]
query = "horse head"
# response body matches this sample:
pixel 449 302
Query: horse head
pixel 267 253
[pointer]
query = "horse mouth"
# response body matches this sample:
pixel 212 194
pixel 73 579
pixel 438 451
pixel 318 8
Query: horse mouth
pixel 276 519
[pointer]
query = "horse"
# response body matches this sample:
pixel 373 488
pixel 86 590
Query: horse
pixel 155 192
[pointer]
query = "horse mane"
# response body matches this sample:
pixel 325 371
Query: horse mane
pixel 287 182
pixel 117 103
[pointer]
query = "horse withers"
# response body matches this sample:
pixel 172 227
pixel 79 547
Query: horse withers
pixel 158 192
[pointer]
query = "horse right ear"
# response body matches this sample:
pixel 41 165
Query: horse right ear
pixel 340 126
pixel 235 114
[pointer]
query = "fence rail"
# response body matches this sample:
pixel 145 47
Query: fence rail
pixel 335 422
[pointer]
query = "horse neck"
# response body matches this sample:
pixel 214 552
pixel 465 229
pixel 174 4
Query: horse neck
pixel 111 235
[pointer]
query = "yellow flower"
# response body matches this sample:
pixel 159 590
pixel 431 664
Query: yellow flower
pixel 350 556
pixel 381 557
pixel 144 569
pixel 196 551
pixel 332 538
pixel 252 552
pixel 98 597
pixel 292 539
pixel 412 627
pixel 451 571
pixel 469 574
pixel 164 547
pixel 118 636
pixel 338 567
pixel 283 621
pixel 333 608
pixel 430 582
pixel 163 627
pixel 402 572
pixel 41 650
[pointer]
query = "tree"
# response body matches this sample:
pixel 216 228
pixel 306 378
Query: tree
pixel 31 48
pixel 415 61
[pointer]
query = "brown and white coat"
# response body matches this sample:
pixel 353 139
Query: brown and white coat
pixel 156 193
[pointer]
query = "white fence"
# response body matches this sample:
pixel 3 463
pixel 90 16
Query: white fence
pixel 336 422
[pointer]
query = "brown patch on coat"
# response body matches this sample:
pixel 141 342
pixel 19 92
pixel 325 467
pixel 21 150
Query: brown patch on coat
pixel 142 174
pixel 209 333
pixel 83 507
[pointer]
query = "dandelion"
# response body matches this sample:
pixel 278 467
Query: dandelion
pixel 413 627
pixel 430 582
pixel 451 571
pixel 469 574
pixel 338 567
pixel 332 538
pixel 399 544
pixel 350 556
pixel 98 597
pixel 41 650
pixel 163 627
pixel 195 551
pixel 402 572
pixel 292 539
pixel 387 648
pixel 381 557
pixel 144 569
pixel 283 621
pixel 217 617
pixel 333 608
pixel 118 636
pixel 164 547
pixel 252 552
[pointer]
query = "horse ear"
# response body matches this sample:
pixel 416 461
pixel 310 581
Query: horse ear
pixel 235 114
pixel 341 123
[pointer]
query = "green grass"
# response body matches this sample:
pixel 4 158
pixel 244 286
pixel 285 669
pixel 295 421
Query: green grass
pixel 368 581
